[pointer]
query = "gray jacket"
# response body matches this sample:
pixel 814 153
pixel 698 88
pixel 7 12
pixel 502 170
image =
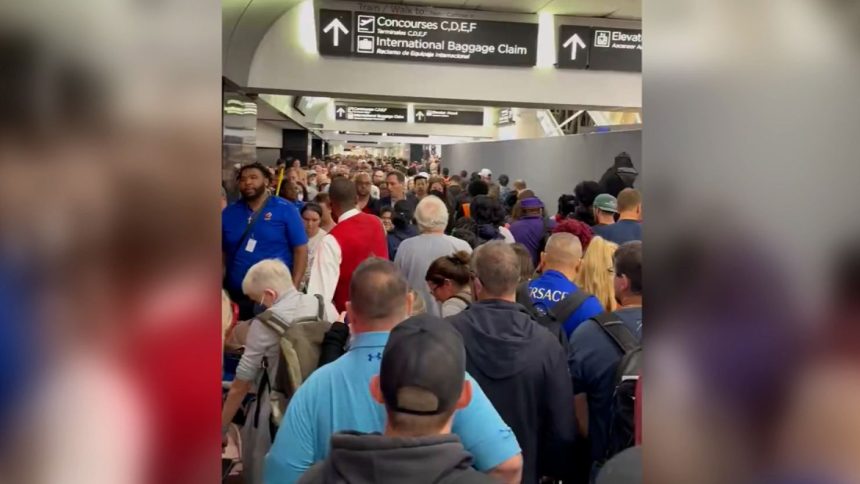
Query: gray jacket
pixel 372 458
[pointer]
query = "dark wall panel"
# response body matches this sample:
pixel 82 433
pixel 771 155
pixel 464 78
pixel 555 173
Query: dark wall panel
pixel 550 166
pixel 297 144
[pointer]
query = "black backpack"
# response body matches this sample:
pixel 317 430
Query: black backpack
pixel 555 317
pixel 622 421
pixel 622 174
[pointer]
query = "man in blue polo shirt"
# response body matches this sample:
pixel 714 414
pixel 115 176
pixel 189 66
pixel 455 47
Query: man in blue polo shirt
pixel 559 264
pixel 257 227
pixel 336 397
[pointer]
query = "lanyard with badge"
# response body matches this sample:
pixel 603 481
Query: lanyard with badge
pixel 252 242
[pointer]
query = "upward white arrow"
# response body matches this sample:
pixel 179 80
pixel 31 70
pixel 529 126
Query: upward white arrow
pixel 338 27
pixel 574 42
pixel 419 115
pixel 340 111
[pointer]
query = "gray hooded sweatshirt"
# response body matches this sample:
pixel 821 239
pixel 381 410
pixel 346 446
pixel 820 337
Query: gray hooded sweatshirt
pixel 372 458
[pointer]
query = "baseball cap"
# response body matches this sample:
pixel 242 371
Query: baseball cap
pixel 423 366
pixel 606 203
pixel 531 202
pixel 485 172
pixel 423 174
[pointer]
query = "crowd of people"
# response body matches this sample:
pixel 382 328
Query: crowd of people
pixel 395 322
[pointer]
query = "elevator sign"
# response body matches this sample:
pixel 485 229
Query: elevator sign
pixel 599 48
pixel 416 38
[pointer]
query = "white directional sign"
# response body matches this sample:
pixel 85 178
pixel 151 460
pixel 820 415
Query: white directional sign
pixel 506 116
pixel 575 43
pixel 419 115
pixel 336 27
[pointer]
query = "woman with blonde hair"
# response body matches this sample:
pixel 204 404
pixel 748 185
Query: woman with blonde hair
pixel 595 275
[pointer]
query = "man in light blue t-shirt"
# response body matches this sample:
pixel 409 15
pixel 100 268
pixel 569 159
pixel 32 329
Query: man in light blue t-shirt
pixel 336 397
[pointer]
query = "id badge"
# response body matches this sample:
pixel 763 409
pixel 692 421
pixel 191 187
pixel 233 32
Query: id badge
pixel 252 243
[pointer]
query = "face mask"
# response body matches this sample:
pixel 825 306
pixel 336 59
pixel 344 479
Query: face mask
pixel 259 307
pixel 439 194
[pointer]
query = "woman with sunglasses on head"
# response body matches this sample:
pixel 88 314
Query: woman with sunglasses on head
pixel 448 279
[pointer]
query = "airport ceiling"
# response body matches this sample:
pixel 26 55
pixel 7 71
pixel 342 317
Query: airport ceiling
pixel 245 22
pixel 270 115
pixel 620 9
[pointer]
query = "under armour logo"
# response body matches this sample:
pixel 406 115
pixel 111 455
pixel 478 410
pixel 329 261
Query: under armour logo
pixel 370 356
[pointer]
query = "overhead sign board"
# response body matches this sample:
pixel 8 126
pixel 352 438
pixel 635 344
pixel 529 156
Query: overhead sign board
pixel 346 112
pixel 449 116
pixel 599 48
pixel 426 38
pixel 506 116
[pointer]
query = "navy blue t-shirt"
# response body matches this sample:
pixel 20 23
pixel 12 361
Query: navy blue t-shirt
pixel 619 232
pixel 277 232
pixel 593 358
pixel 552 287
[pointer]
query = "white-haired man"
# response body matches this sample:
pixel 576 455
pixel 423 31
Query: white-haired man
pixel 268 282
pixel 415 255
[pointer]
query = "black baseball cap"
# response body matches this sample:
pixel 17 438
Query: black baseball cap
pixel 423 366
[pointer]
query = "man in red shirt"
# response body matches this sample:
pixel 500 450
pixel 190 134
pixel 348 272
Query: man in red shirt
pixel 356 237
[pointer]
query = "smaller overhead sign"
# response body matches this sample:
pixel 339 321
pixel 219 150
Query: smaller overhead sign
pixel 346 112
pixel 506 116
pixel 599 48
pixel 449 116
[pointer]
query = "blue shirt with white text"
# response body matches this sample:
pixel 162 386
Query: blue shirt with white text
pixel 552 287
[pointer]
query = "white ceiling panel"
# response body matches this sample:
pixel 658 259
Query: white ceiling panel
pixel 621 9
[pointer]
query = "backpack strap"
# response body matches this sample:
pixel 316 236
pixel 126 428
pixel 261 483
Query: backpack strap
pixel 320 316
pixel 524 298
pixel 320 307
pixel 568 306
pixel 618 332
pixel 273 322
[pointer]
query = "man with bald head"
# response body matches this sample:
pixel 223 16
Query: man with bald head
pixel 554 293
pixel 520 365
